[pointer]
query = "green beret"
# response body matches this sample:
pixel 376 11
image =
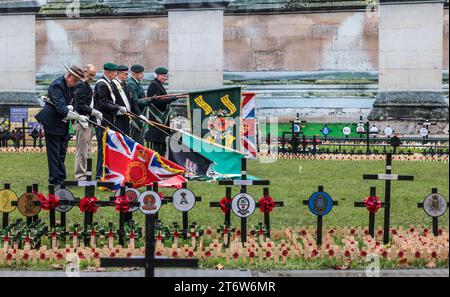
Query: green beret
pixel 137 68
pixel 110 67
pixel 122 68
pixel 161 70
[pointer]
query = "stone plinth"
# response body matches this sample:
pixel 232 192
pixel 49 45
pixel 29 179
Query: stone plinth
pixel 195 44
pixel 410 62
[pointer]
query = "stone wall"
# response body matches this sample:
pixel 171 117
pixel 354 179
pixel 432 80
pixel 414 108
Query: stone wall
pixel 265 42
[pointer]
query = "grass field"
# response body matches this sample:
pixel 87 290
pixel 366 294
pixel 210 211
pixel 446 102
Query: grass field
pixel 291 181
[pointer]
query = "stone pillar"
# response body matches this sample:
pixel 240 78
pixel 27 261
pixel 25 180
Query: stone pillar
pixel 195 43
pixel 410 65
pixel 18 53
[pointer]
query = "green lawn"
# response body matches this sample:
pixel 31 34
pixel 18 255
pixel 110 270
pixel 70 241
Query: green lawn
pixel 291 181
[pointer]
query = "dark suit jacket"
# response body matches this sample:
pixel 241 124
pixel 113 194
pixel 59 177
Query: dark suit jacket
pixel 123 122
pixel 51 117
pixel 103 101
pixel 83 98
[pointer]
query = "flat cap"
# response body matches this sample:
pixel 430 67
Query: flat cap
pixel 137 68
pixel 161 70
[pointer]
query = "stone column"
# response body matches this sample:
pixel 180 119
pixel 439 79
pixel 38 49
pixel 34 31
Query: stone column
pixel 18 53
pixel 195 43
pixel 410 65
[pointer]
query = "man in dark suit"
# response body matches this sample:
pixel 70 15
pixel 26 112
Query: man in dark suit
pixel 105 102
pixel 84 105
pixel 123 98
pixel 157 110
pixel 54 118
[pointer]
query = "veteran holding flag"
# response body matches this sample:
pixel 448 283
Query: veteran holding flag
pixel 54 117
pixel 136 92
pixel 122 95
pixel 105 102
pixel 157 110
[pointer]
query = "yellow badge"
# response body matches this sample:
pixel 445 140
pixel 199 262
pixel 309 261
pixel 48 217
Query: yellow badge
pixel 6 196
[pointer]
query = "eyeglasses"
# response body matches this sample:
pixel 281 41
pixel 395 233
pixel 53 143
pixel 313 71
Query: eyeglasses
pixel 90 74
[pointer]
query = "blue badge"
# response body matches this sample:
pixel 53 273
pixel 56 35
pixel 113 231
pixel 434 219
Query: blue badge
pixel 320 203
pixel 325 130
pixel 297 128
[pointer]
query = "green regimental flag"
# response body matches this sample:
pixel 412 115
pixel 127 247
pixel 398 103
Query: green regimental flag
pixel 215 115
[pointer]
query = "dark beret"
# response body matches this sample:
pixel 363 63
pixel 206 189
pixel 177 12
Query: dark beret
pixel 110 66
pixel 161 70
pixel 137 68
pixel 122 68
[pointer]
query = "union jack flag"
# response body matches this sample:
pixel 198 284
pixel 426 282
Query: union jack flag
pixel 128 161
pixel 248 137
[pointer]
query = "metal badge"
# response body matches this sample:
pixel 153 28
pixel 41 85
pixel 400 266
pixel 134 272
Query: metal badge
pixel 325 130
pixel 64 195
pixel 388 131
pixel 183 200
pixel 435 205
pixel 320 203
pixel 347 131
pixel 423 132
pixel 6 196
pixel 133 196
pixel 243 205
pixel 26 204
pixel 150 202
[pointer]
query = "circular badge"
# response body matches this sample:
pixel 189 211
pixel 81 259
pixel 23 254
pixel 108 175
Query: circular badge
pixel 388 131
pixel 297 128
pixel 325 130
pixel 26 205
pixel 320 203
pixel 347 131
pixel 243 205
pixel 360 129
pixel 374 130
pixel 435 205
pixel 423 132
pixel 150 202
pixel 64 195
pixel 133 196
pixel 183 200
pixel 6 196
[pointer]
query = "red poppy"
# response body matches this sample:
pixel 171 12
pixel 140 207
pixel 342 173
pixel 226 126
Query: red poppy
pixel 251 254
pixel 42 256
pixel 417 255
pixel 9 256
pixel 284 253
pixel 122 203
pixel 128 254
pixel 394 231
pixel 59 256
pixel 401 254
pixel 384 254
pixel 434 255
pixel 112 254
pixel 174 254
pixel 347 254
pixel 363 253
pixel 80 255
pixel 411 230
pixel 208 254
pixel 268 254
pixel 158 253
pixel 314 253
pixel 352 232
pixel 49 202
pixel 372 203
pixel 26 256
pixel 266 204
pixel 331 253
pixel 88 204
pixel 225 205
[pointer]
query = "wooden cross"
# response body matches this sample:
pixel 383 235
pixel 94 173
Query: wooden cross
pixel 267 215
pixel 388 177
pixel 373 192
pixel 89 191
pixel 319 219
pixel 435 219
pixel 185 214
pixel 243 183
pixel 149 261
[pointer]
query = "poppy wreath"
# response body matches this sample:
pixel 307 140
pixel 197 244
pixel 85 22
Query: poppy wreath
pixel 266 204
pixel 225 205
pixel 372 203
pixel 50 202
pixel 88 204
pixel 122 203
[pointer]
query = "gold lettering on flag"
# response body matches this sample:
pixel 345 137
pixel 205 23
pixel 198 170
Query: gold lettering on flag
pixel 203 105
pixel 228 104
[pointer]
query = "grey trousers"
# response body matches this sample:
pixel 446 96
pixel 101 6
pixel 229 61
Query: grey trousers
pixel 83 151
